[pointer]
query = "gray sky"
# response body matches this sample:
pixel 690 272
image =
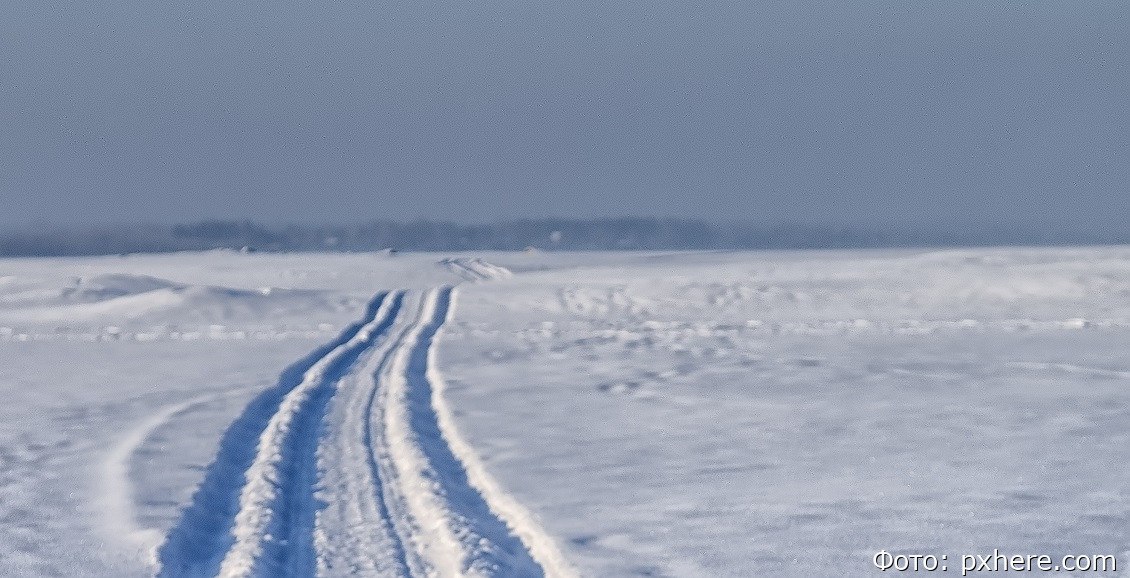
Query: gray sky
pixel 831 112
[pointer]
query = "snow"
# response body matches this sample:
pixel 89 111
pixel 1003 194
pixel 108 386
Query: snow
pixel 791 414
pixel 600 414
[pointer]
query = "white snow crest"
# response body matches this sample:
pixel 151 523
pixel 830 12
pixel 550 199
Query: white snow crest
pixel 475 269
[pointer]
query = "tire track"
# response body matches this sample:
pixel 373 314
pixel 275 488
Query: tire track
pixel 488 547
pixel 274 527
pixel 522 524
pixel 451 515
pixel 210 527
pixel 354 466
pixel 354 532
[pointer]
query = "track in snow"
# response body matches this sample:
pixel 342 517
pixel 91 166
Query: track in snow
pixel 353 466
pixel 119 503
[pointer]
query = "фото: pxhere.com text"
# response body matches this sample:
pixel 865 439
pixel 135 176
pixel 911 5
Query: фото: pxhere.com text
pixel 994 562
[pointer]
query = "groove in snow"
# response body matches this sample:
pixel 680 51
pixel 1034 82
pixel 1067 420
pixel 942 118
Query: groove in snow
pixel 358 469
pixel 204 534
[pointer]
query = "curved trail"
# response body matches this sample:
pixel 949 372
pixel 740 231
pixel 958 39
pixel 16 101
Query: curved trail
pixel 356 468
pixel 118 487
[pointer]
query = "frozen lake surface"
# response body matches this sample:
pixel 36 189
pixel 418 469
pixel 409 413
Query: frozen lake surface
pixel 560 414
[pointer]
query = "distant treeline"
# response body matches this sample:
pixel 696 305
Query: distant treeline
pixel 544 234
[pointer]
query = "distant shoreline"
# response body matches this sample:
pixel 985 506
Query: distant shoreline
pixel 629 233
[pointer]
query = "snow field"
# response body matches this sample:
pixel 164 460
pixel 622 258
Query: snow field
pixel 597 414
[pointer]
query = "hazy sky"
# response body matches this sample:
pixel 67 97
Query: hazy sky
pixel 842 112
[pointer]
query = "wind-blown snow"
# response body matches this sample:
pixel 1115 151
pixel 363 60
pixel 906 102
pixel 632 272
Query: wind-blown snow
pixel 791 414
pixel 686 414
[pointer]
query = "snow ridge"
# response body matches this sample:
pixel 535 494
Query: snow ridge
pixel 475 269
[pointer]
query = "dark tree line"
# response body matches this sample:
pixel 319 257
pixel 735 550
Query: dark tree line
pixel 546 234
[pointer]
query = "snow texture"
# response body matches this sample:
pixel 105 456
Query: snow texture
pixel 560 414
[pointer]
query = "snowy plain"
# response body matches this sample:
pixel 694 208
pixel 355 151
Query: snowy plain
pixel 628 414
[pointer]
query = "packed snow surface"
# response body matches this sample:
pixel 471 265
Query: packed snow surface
pixel 560 414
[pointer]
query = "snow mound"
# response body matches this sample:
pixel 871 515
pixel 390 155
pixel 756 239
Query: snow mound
pixel 475 269
pixel 126 299
pixel 18 292
pixel 118 284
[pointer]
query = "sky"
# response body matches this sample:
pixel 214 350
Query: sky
pixel 867 113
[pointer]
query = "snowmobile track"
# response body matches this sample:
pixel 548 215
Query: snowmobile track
pixel 258 461
pixel 352 465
